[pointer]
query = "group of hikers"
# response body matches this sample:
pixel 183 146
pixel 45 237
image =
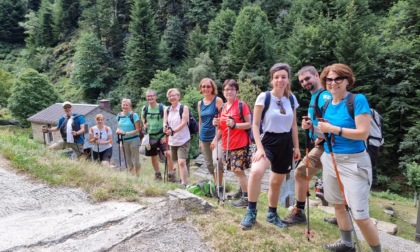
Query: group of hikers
pixel 338 134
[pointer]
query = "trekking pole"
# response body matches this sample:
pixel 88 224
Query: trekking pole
pixel 328 138
pixel 119 148
pixel 217 164
pixel 122 144
pixel 165 175
pixel 308 232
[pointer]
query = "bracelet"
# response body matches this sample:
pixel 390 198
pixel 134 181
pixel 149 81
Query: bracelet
pixel 341 131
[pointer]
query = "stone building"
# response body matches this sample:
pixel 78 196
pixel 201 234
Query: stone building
pixel 50 116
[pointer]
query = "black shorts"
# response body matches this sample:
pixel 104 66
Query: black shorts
pixel 155 144
pixel 104 155
pixel 279 150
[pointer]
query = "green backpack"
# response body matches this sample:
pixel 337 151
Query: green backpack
pixel 202 188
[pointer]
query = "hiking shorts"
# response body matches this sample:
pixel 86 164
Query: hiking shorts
pixel 278 148
pixel 104 155
pixel 155 144
pixel 314 157
pixel 238 160
pixel 356 175
pixel 180 152
pixel 210 157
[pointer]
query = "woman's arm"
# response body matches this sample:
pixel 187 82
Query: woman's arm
pixel 296 150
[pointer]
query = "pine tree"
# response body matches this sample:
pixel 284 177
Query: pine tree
pixel 199 13
pixel 32 93
pixel 11 13
pixel 142 46
pixel 66 16
pixel 174 41
pixel 45 36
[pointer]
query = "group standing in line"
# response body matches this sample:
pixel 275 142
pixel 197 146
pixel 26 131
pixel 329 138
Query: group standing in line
pixel 338 138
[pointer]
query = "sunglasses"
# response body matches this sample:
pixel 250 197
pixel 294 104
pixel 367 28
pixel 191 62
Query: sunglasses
pixel 305 79
pixel 337 80
pixel 67 107
pixel 282 110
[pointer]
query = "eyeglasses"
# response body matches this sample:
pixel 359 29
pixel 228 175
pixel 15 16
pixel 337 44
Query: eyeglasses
pixel 205 86
pixel 337 80
pixel 172 96
pixel 150 96
pixel 229 90
pixel 282 110
pixel 305 79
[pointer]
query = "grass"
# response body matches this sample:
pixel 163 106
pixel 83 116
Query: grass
pixel 220 227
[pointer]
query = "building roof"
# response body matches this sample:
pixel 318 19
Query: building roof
pixel 51 114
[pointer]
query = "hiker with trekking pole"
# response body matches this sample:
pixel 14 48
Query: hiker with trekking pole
pixel 309 80
pixel 277 146
pixel 72 129
pixel 210 145
pixel 101 136
pixel 347 173
pixel 176 127
pixel 152 117
pixel 235 139
pixel 128 131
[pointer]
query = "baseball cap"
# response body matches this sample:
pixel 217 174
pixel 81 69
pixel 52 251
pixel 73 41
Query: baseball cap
pixel 66 103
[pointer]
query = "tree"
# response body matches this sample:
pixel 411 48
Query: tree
pixel 91 66
pixel 251 47
pixel 7 81
pixel 32 93
pixel 173 40
pixel 161 82
pixel 199 13
pixel 248 92
pixel 45 34
pixel 203 68
pixel 66 16
pixel 11 13
pixel 142 46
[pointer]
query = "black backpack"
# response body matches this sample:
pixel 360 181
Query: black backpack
pixel 192 123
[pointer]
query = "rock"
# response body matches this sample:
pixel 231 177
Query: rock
pixel 413 222
pixel 188 201
pixel 327 209
pixel 392 203
pixel 387 227
pixel 389 212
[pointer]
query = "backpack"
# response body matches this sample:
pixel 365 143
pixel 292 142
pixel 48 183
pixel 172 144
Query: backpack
pixel 146 112
pixel 202 188
pixel 106 129
pixel 141 134
pixel 192 123
pixel 317 110
pixel 74 126
pixel 266 106
pixel 376 123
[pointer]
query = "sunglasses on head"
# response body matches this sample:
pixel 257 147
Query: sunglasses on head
pixel 282 110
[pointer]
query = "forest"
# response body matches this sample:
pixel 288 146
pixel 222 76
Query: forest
pixel 87 50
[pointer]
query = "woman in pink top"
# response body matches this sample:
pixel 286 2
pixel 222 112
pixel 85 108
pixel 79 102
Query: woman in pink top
pixel 175 126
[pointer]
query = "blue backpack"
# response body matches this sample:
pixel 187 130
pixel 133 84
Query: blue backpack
pixel 266 106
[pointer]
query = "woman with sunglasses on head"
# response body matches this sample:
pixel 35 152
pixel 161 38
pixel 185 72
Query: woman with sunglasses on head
pixel 347 134
pixel 101 138
pixel 235 139
pixel 277 147
pixel 208 108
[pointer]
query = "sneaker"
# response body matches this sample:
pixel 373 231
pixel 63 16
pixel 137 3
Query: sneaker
pixel 242 203
pixel 331 220
pixel 274 218
pixel 296 216
pixel 236 195
pixel 158 176
pixel 339 246
pixel 249 219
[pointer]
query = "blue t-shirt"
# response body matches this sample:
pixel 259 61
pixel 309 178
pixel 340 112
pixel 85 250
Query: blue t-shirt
pixel 207 113
pixel 323 97
pixel 79 120
pixel 126 125
pixel 338 115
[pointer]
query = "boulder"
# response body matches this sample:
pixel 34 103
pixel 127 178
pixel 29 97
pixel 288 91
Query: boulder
pixel 387 227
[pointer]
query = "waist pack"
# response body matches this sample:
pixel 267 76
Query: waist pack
pixel 202 188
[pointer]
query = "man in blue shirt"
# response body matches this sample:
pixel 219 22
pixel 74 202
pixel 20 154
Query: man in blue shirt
pixel 72 129
pixel 309 80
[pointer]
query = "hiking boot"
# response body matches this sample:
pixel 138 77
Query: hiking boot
pixel 236 195
pixel 320 195
pixel 242 203
pixel 339 246
pixel 296 216
pixel 158 176
pixel 331 220
pixel 274 218
pixel 219 191
pixel 249 219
